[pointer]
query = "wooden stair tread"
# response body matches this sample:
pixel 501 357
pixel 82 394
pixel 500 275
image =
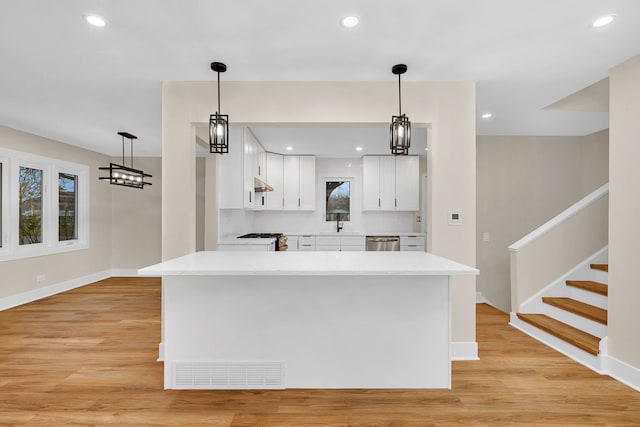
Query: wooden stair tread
pixel 588 311
pixel 588 285
pixel 601 267
pixel 576 337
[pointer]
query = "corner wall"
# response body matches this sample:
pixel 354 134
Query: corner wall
pixel 624 212
pixel 19 276
pixel 522 182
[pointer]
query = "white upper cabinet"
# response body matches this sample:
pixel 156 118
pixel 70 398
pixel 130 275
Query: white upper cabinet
pixel 275 178
pixel 250 168
pixel 390 183
pixel 307 183
pixel 299 189
pixel 230 173
pixel 407 183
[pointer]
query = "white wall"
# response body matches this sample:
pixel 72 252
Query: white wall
pixel 449 108
pixel 136 228
pixel 624 212
pixel 522 182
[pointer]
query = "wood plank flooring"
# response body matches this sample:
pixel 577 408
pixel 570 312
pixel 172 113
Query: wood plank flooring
pixel 87 357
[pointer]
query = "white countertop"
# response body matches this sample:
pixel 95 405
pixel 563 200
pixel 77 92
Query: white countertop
pixel 251 241
pixel 221 263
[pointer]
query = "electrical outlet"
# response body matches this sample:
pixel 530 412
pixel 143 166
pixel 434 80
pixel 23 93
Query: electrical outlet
pixel 41 278
pixel 418 218
pixel 485 236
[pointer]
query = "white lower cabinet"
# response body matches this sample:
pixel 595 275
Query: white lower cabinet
pixel 412 243
pixel 307 242
pixel 340 243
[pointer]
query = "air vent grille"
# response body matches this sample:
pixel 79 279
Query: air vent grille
pixel 228 375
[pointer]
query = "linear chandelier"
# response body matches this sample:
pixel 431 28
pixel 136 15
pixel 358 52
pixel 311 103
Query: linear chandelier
pixel 126 176
pixel 400 128
pixel 218 122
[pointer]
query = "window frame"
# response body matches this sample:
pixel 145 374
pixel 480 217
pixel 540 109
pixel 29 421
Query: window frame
pixel 325 213
pixel 51 168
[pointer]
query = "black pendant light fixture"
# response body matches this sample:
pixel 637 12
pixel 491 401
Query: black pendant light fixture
pixel 218 123
pixel 123 175
pixel 400 129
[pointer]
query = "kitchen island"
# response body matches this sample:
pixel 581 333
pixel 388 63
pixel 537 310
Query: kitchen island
pixel 306 319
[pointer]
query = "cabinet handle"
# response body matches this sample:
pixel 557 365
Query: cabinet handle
pixel 396 203
pixel 298 201
pixel 262 200
pixel 249 196
pixel 378 201
pixel 259 171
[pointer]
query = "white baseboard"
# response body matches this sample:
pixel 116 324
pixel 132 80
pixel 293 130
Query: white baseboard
pixel 623 372
pixel 480 299
pixel 46 291
pixel 124 272
pixel 464 351
pixel 160 352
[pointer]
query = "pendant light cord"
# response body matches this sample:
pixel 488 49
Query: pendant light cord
pixel 219 110
pixel 399 96
pixel 123 150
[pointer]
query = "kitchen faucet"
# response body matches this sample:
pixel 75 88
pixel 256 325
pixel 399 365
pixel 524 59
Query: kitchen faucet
pixel 338 226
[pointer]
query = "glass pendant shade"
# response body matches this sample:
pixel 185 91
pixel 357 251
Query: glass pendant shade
pixel 400 128
pixel 218 122
pixel 219 133
pixel 400 135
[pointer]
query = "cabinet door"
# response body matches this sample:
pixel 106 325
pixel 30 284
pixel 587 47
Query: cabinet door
pixel 275 178
pixel 261 160
pixel 248 159
pixel 291 183
pixel 387 183
pixel 307 183
pixel 371 183
pixel 407 183
pixel 230 179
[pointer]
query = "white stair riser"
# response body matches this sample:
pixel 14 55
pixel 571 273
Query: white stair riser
pixel 575 320
pixel 587 297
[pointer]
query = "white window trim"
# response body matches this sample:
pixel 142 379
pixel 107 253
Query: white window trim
pixel 12 161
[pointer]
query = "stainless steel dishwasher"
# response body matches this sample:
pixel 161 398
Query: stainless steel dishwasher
pixel 383 243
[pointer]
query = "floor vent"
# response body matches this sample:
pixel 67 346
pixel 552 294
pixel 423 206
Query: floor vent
pixel 228 375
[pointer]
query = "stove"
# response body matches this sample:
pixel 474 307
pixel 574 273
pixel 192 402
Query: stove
pixel 281 239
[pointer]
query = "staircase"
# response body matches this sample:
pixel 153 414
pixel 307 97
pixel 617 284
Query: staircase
pixel 571 317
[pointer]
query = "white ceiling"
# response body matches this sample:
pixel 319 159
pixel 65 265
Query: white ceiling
pixel 63 79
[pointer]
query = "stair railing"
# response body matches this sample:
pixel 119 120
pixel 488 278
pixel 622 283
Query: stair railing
pixel 558 245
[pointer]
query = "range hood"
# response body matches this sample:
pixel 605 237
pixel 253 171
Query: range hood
pixel 260 186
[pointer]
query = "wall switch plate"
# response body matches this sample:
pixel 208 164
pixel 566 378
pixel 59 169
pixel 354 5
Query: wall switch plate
pixel 41 278
pixel 454 218
pixel 485 236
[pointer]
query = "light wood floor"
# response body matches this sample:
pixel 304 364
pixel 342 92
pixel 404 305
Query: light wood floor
pixel 87 357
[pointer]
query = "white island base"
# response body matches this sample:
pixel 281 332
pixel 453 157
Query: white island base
pixel 307 320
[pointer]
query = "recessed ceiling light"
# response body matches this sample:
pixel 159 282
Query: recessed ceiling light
pixel 602 21
pixel 350 21
pixel 95 20
pixel 426 149
pixel 289 148
pixel 358 148
pixel 487 115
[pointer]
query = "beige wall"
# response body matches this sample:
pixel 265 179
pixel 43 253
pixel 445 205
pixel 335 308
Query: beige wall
pixel 522 182
pixel 124 223
pixel 20 275
pixel 624 212
pixel 448 107
pixel 136 229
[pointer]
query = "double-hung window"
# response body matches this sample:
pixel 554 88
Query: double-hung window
pixel 44 205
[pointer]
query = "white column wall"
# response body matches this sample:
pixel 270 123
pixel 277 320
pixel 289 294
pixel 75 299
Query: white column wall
pixel 449 108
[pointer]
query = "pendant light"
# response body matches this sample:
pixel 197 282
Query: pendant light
pixel 218 122
pixel 400 129
pixel 126 176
